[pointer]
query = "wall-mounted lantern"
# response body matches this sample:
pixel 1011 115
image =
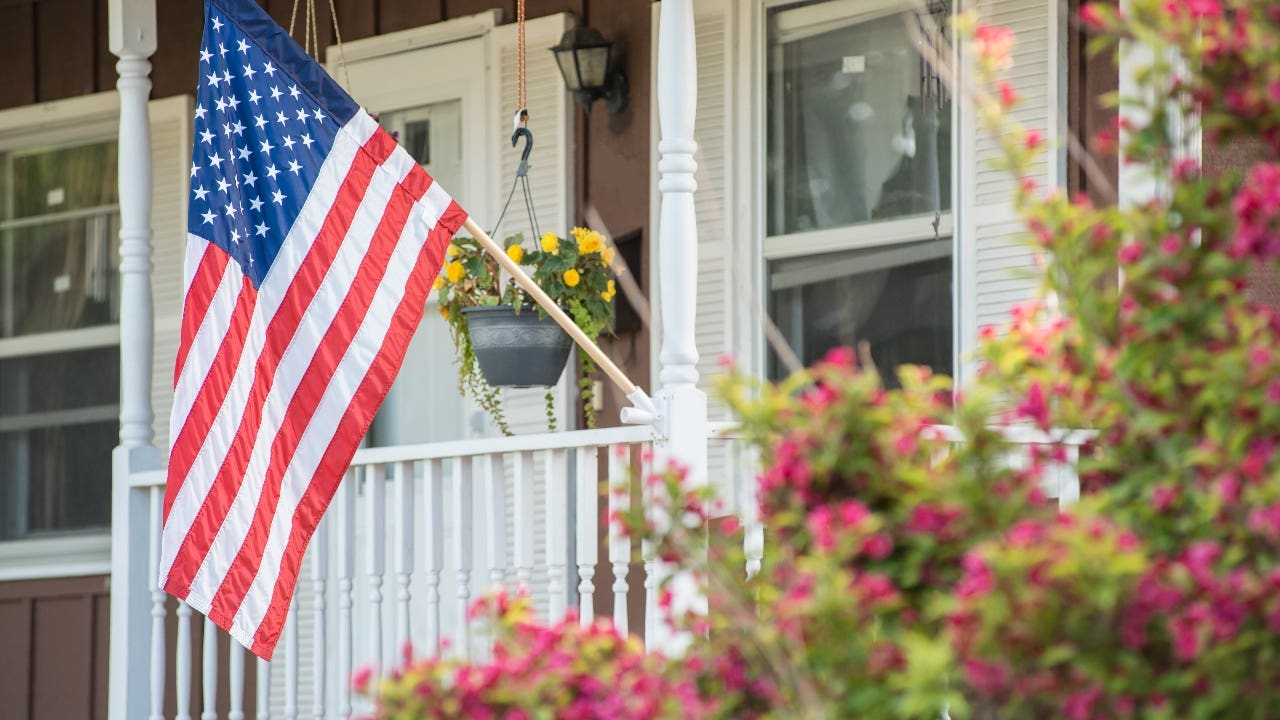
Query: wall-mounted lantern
pixel 583 56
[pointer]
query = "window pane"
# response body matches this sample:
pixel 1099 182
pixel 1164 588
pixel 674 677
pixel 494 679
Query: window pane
pixel 897 299
pixel 61 180
pixel 59 275
pixel 57 479
pixel 57 428
pixel 59 240
pixel 850 138
pixel 61 381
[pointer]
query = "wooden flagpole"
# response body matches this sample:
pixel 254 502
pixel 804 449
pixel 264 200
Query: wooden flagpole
pixel 637 396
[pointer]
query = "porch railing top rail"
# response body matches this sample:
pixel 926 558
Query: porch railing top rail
pixel 495 446
pixel 1018 434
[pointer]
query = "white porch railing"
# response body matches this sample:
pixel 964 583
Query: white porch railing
pixel 417 532
pixel 414 535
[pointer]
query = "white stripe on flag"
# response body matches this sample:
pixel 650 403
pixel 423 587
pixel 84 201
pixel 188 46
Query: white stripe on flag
pixel 196 485
pixel 328 302
pixel 318 435
pixel 204 346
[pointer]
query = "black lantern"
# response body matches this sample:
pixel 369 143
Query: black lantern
pixel 583 56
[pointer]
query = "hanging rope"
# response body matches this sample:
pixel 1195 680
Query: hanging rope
pixel 520 130
pixel 342 54
pixel 311 34
pixel 520 64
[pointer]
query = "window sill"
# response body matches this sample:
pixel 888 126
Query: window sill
pixel 55 557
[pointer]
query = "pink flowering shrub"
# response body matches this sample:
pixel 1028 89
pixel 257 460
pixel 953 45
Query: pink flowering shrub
pixel 907 572
pixel 537 671
pixel 1176 369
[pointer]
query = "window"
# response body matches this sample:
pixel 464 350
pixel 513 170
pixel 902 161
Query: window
pixel 858 184
pixel 59 358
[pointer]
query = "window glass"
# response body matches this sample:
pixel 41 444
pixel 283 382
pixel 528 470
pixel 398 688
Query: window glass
pixel 57 428
pixel 59 392
pixel 896 299
pixel 59 240
pixel 856 128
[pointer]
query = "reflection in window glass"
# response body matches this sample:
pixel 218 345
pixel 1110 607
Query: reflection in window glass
pixel 59 271
pixel 850 137
pixel 59 240
pixel 897 299
pixel 57 428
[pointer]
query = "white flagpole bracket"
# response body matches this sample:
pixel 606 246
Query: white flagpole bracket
pixel 643 411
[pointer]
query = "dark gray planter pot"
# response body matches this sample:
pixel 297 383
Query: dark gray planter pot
pixel 517 350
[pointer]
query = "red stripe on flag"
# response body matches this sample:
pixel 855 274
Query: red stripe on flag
pixel 212 390
pixel 205 282
pixel 354 424
pixel 278 335
pixel 311 390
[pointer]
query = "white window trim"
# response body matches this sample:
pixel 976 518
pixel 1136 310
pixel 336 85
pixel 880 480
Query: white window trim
pixel 391 92
pixel 857 237
pixel 81 119
pixel 40 558
pixel 750 198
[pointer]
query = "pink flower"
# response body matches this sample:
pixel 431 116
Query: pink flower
pixel 877 546
pixel 1024 533
pixel 1033 139
pixel 1090 15
pixel 360 680
pixel 1130 253
pixel 852 513
pixel 840 357
pixel 994 43
pixel 1257 213
pixel 1185 630
pixel 930 520
pixel 820 527
pixel 1195 8
pixel 1008 96
pixel 1080 706
pixel 987 677
pixel 977 580
pixel 1034 407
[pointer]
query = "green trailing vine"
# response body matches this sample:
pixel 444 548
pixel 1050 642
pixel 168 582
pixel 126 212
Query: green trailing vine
pixel 576 274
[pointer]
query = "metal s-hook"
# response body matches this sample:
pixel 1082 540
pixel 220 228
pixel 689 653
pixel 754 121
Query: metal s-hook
pixel 520 131
pixel 521 178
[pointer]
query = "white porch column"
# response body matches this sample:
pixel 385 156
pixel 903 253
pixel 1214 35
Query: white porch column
pixel 682 407
pixel 132 38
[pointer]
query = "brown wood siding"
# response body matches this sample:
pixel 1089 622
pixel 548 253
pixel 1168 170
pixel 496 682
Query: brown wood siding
pixel 58 49
pixel 17 54
pixel 54 653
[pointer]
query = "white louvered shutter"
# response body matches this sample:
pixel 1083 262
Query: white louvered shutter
pixel 994 257
pixel 551 116
pixel 170 165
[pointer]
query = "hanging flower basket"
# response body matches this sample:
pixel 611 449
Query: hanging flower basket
pixel 517 349
pixel 498 347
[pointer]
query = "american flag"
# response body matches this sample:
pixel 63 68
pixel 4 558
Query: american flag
pixel 312 243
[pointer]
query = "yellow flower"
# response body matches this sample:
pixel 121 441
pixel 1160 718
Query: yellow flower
pixel 609 292
pixel 444 312
pixel 439 283
pixel 606 256
pixel 550 243
pixel 454 250
pixel 571 277
pixel 515 252
pixel 590 242
pixel 454 271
